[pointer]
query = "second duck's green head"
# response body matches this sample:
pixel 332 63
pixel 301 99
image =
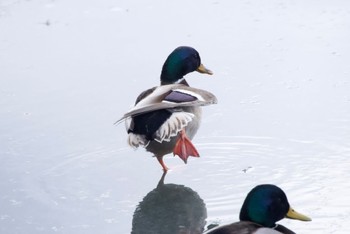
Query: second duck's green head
pixel 180 62
pixel 266 204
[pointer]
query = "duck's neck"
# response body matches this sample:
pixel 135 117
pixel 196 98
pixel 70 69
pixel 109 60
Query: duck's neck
pixel 184 82
pixel 180 81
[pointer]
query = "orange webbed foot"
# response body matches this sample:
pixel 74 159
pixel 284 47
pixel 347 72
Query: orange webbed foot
pixel 184 147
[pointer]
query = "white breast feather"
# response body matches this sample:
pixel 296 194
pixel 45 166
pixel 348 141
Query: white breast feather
pixel 171 127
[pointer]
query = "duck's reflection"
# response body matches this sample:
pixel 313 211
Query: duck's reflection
pixel 170 208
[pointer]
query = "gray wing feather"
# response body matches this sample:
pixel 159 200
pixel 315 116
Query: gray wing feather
pixel 154 101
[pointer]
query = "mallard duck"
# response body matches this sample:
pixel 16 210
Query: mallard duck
pixel 166 118
pixel 263 207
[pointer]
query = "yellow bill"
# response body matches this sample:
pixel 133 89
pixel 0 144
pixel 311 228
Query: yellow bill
pixel 203 69
pixel 292 214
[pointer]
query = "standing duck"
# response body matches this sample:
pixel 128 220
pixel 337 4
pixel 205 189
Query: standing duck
pixel 263 207
pixel 166 118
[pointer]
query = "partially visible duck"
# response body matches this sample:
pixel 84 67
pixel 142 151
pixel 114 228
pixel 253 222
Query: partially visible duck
pixel 263 207
pixel 166 118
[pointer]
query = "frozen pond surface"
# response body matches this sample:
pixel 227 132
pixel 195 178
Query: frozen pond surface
pixel 69 69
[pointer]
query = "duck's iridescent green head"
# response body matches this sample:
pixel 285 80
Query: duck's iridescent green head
pixel 180 62
pixel 266 204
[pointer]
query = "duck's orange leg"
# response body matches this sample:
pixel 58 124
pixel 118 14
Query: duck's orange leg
pixel 184 147
pixel 160 160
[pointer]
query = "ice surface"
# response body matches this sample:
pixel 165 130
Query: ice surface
pixel 69 69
